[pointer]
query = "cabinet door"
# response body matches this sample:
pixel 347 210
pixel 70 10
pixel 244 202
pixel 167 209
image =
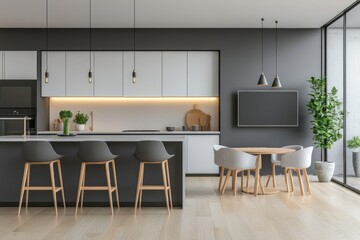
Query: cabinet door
pixel 203 74
pixel 148 74
pixel 201 155
pixel 56 68
pixel 1 64
pixel 174 73
pixel 108 74
pixel 20 65
pixel 77 78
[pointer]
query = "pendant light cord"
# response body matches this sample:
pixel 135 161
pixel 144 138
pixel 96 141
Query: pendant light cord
pixel 47 34
pixel 262 45
pixel 90 23
pixel 276 47
pixel 134 33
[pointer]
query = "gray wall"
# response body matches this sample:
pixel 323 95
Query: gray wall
pixel 299 57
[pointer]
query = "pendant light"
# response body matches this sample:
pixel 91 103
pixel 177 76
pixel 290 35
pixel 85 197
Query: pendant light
pixel 47 42
pixel 134 71
pixel 262 80
pixel 276 83
pixel 90 71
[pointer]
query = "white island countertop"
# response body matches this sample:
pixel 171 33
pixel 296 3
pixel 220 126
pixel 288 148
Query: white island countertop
pixel 138 132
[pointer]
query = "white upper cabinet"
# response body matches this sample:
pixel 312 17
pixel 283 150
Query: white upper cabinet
pixel 108 74
pixel 55 87
pixel 174 74
pixel 78 83
pixel 1 64
pixel 203 74
pixel 148 74
pixel 20 65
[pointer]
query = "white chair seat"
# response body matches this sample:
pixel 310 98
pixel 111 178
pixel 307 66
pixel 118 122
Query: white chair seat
pixel 276 162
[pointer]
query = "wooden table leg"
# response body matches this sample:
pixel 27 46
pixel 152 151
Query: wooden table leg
pixel 257 174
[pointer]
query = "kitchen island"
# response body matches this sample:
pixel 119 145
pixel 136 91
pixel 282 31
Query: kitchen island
pixel 120 143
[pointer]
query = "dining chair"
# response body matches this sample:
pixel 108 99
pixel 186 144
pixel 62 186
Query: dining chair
pixel 297 161
pixel 276 161
pixel 236 161
pixel 219 160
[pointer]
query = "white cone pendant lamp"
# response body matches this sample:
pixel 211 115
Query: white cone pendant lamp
pixel 276 83
pixel 262 80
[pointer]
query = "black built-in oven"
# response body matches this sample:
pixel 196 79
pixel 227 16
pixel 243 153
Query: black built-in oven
pixel 17 100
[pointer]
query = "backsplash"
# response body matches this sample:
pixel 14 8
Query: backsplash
pixel 118 114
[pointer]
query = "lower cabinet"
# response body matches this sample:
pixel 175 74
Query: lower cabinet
pixel 200 154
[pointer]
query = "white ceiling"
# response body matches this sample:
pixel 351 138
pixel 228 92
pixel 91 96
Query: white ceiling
pixel 170 13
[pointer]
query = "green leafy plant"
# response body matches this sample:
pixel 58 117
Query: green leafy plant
pixel 326 109
pixel 65 114
pixel 81 118
pixel 353 143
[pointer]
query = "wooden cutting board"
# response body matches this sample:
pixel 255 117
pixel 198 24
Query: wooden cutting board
pixel 205 121
pixel 192 117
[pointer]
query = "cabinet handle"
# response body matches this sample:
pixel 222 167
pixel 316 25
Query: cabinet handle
pixel 90 76
pixel 46 76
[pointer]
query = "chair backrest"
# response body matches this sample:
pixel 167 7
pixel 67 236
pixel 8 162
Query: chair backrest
pixel 236 159
pixel 218 156
pixel 94 151
pixel 277 157
pixel 299 159
pixel 151 151
pixel 39 151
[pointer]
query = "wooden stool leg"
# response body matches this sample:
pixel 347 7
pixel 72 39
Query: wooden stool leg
pixel 168 182
pixel 221 178
pixel 225 182
pixel 82 173
pixel 300 181
pixel 115 182
pixel 82 188
pixel 165 185
pixel 234 181
pixel 53 186
pixel 291 180
pixel 274 174
pixel 242 180
pixel 23 186
pixel 27 191
pixel 307 180
pixel 286 180
pixel 247 181
pixel 108 180
pixel 141 186
pixel 140 177
pixel 61 182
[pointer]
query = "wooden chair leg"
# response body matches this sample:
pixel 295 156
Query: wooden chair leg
pixel 27 191
pixel 300 181
pixel 61 182
pixel 82 173
pixel 242 180
pixel 234 182
pixel 274 175
pixel 261 185
pixel 141 186
pixel 115 182
pixel 108 180
pixel 225 182
pixel 268 180
pixel 140 177
pixel 286 179
pixel 53 186
pixel 291 180
pixel 82 188
pixel 307 180
pixel 247 181
pixel 221 178
pixel 165 185
pixel 23 186
pixel 168 182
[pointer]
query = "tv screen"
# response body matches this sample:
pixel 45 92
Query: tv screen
pixel 268 108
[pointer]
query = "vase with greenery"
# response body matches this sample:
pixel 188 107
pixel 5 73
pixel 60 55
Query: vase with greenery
pixel 354 144
pixel 80 120
pixel 327 123
pixel 65 116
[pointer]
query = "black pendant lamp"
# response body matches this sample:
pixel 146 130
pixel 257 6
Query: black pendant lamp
pixel 134 71
pixel 276 83
pixel 47 42
pixel 90 71
pixel 262 80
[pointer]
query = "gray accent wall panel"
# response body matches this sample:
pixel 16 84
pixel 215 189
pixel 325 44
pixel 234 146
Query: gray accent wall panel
pixel 299 57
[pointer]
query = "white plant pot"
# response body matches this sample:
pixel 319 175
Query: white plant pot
pixel 324 170
pixel 80 127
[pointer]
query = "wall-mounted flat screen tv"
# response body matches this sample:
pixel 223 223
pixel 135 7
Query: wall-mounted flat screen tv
pixel 268 108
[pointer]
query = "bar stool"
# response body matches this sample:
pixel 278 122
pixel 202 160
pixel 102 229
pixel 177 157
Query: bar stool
pixel 40 153
pixel 153 152
pixel 96 153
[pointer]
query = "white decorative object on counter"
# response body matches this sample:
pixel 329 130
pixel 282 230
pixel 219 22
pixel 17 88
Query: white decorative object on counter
pixel 79 127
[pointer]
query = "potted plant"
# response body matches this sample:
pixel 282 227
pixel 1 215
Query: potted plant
pixel 65 115
pixel 354 143
pixel 327 123
pixel 80 121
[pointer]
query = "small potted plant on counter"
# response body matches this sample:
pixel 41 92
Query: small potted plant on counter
pixel 65 116
pixel 80 121
pixel 354 143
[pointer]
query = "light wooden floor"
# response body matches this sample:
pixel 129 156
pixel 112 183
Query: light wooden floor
pixel 331 212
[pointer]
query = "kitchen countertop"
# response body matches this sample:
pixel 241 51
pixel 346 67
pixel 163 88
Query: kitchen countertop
pixel 134 133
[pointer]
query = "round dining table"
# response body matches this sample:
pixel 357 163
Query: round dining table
pixel 259 151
